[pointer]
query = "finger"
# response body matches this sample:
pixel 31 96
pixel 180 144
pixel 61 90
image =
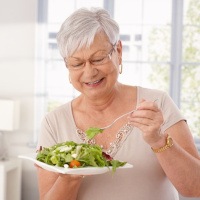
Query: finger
pixel 140 102
pixel 142 121
pixel 149 114
pixel 146 117
pixel 146 125
pixel 144 104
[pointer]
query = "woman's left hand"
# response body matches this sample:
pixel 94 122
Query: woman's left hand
pixel 149 119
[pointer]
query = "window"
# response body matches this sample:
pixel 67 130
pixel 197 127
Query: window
pixel 190 66
pixel 161 50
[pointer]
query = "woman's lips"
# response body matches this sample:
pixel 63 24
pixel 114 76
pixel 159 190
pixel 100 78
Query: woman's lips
pixel 94 83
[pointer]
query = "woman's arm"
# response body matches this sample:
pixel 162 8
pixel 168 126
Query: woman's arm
pixel 181 162
pixel 55 186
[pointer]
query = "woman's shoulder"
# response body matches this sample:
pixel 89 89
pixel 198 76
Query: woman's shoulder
pixel 150 94
pixel 60 110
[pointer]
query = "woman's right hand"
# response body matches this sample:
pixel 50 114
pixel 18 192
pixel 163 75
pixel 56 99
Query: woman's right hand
pixel 149 119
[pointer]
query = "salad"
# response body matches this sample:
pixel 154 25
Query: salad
pixel 73 155
pixel 92 132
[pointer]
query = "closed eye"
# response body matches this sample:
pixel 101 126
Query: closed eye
pixel 76 65
pixel 97 60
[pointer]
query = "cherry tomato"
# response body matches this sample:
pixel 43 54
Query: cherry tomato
pixel 74 163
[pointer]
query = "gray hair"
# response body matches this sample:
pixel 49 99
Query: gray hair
pixel 80 28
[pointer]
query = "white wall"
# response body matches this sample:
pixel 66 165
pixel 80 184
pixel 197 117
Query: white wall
pixel 17 49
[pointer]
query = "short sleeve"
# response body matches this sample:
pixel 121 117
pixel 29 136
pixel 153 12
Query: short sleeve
pixel 171 112
pixel 46 137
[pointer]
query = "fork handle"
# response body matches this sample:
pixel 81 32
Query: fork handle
pixel 117 120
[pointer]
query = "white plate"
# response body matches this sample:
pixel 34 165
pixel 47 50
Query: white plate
pixel 77 171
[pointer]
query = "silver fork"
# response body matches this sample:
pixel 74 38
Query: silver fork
pixel 93 131
pixel 105 127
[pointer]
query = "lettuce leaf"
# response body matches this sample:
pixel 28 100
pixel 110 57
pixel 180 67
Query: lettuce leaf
pixel 93 131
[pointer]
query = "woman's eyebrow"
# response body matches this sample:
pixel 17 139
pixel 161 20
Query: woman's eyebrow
pixel 98 51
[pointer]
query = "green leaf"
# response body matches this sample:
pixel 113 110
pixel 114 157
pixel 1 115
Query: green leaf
pixel 116 163
pixel 92 132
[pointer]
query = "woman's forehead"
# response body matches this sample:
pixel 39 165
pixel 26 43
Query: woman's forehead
pixel 100 44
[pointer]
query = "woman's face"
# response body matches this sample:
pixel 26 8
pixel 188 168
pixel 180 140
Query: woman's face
pixel 94 71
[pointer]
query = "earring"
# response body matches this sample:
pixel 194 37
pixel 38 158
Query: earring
pixel 120 68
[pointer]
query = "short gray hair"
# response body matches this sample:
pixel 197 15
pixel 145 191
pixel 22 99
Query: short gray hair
pixel 80 28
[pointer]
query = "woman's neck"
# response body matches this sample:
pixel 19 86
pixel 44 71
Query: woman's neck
pixel 98 112
pixel 104 102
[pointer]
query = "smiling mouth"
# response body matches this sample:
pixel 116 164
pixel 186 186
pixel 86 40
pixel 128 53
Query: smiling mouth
pixel 94 82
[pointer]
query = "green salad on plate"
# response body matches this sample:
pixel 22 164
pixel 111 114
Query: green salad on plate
pixel 73 155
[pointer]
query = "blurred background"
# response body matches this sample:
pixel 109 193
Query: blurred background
pixel 161 50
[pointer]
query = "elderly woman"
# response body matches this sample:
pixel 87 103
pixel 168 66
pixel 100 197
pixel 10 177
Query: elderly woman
pixel 155 138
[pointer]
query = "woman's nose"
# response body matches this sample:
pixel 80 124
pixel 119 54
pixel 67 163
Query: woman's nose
pixel 90 69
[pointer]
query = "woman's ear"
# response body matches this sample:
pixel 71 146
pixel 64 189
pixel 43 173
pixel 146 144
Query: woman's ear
pixel 119 50
pixel 119 46
pixel 119 54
